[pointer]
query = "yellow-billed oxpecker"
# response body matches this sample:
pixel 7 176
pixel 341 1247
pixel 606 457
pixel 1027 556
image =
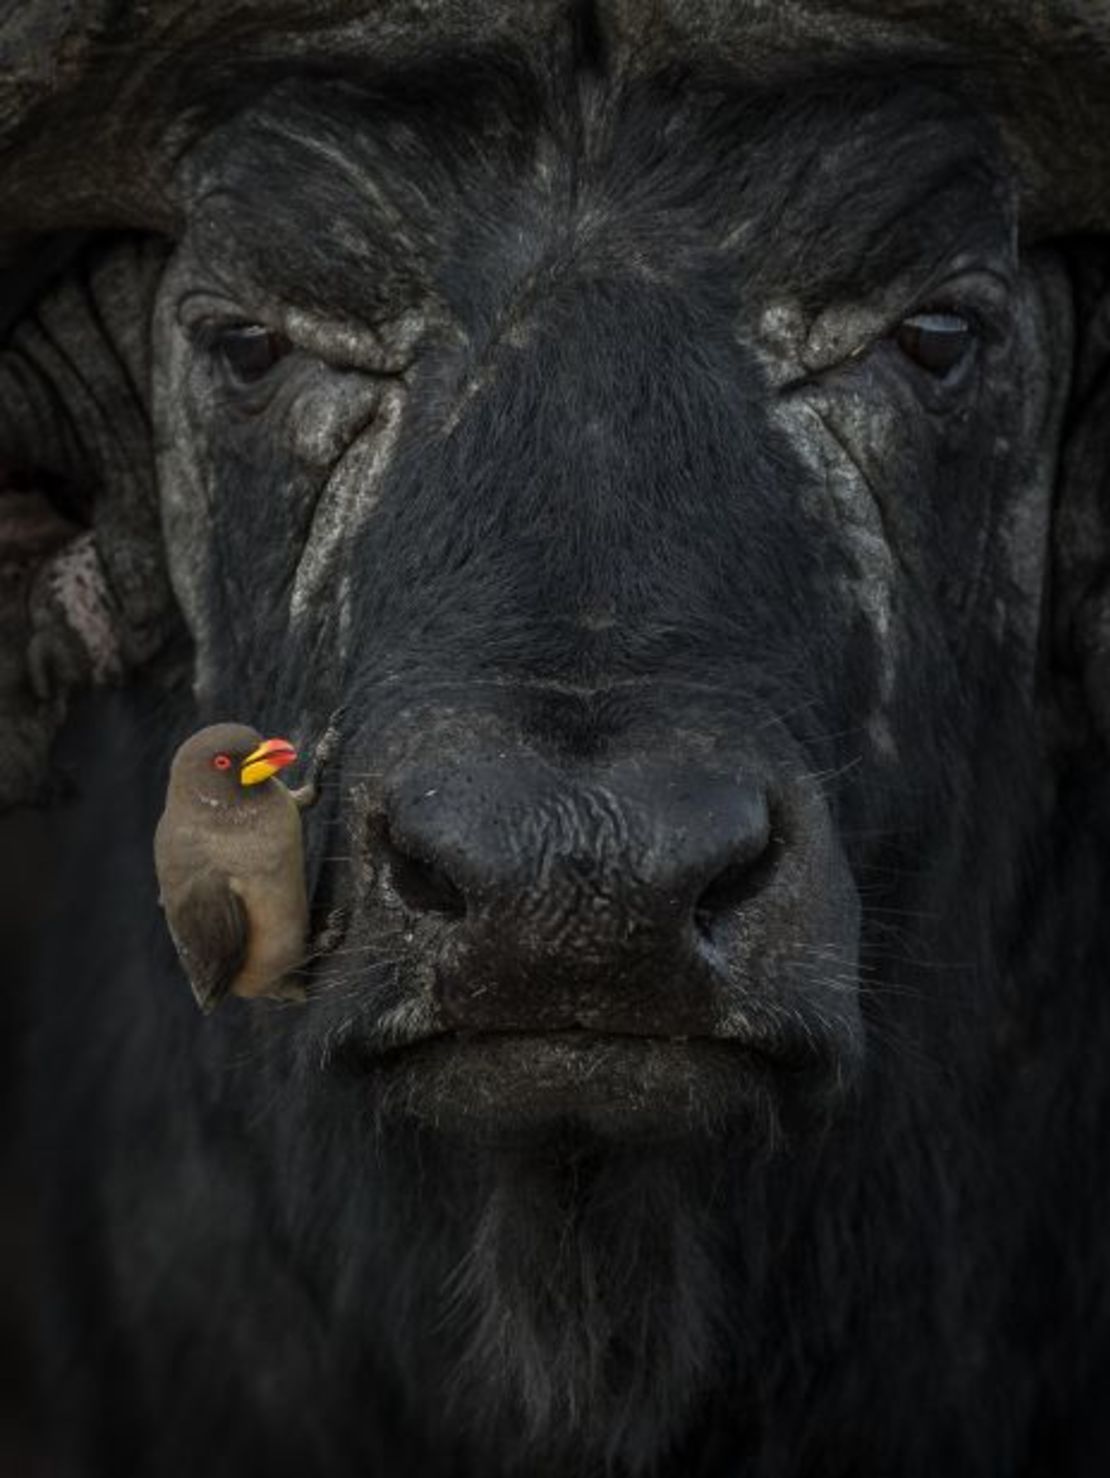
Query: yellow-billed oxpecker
pixel 230 865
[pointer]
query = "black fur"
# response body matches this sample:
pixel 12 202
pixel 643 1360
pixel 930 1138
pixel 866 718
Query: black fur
pixel 597 545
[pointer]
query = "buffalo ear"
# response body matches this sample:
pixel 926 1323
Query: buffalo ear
pixel 84 596
pixel 1081 576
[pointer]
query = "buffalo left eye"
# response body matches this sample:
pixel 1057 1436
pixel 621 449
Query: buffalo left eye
pixel 249 351
pixel 937 342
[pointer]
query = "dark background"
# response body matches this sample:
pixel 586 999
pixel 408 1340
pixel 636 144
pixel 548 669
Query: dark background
pixel 28 854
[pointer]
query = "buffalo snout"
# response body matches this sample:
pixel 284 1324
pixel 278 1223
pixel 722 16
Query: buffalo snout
pixel 675 903
pixel 577 900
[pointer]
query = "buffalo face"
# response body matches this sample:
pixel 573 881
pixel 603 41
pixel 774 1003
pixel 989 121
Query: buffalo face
pixel 640 479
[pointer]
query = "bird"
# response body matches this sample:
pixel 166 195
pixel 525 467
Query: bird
pixel 230 865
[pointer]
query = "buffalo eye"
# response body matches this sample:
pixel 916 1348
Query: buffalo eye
pixel 221 762
pixel 249 351
pixel 938 342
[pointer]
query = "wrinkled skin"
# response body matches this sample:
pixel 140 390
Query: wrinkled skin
pixel 681 1084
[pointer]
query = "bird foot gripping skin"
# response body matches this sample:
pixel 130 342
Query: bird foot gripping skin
pixel 230 864
pixel 309 793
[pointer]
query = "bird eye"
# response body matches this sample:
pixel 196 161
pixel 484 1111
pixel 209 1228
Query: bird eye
pixel 249 351
pixel 222 762
pixel 938 342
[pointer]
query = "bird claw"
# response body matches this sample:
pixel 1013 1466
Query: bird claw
pixel 322 755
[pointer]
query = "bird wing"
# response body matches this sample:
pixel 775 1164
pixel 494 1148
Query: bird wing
pixel 211 931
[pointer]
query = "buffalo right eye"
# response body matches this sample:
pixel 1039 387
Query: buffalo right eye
pixel 248 351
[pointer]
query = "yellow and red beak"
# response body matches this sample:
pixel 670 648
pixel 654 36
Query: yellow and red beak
pixel 271 756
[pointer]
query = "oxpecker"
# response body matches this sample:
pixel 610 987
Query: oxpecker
pixel 230 865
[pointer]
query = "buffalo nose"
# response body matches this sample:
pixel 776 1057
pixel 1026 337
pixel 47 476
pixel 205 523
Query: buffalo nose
pixel 544 875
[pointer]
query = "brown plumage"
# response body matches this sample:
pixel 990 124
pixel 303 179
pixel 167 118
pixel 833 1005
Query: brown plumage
pixel 230 865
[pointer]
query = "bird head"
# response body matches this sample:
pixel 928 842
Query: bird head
pixel 218 762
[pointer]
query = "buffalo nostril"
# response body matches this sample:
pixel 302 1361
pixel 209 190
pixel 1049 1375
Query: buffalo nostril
pixel 746 875
pixel 422 884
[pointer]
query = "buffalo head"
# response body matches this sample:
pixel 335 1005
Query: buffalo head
pixel 644 491
pixel 676 484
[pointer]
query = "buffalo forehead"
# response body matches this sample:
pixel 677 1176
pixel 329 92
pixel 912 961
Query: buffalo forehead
pixel 817 189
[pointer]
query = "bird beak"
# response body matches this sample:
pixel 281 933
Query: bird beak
pixel 270 756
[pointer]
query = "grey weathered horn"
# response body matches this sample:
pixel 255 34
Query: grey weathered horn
pixel 98 98
pixel 95 96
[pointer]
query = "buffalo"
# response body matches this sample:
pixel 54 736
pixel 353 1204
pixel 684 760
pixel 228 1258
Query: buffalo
pixel 665 452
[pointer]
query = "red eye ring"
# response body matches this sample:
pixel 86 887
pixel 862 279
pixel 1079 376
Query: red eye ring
pixel 222 762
